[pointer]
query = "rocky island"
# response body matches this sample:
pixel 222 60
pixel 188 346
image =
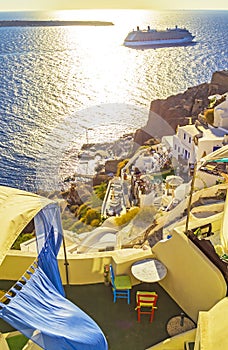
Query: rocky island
pixel 50 23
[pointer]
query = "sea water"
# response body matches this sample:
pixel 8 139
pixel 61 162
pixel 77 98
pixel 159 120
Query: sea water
pixel 61 87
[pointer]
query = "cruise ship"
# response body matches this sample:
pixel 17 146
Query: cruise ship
pixel 153 37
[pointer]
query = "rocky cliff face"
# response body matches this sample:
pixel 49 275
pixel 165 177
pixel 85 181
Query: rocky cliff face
pixel 220 81
pixel 165 115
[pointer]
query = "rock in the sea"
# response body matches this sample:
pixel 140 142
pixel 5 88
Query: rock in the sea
pixel 111 166
pixel 99 178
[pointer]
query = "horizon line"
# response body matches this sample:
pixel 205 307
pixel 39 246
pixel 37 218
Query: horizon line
pixel 113 8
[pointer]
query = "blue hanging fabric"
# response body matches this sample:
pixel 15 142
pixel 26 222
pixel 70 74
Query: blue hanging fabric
pixel 49 237
pixel 37 306
pixel 47 218
pixel 42 314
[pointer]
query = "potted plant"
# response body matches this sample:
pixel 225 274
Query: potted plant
pixel 106 275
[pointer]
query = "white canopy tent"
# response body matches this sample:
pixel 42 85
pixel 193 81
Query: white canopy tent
pixel 17 209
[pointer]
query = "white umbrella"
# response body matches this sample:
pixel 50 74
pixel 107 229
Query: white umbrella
pixel 174 180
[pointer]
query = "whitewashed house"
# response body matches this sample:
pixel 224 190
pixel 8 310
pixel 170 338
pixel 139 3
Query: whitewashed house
pixel 182 141
pixel 221 114
pixel 206 138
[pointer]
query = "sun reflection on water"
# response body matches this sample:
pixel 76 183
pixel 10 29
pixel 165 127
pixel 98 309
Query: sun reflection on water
pixel 106 66
pixel 51 73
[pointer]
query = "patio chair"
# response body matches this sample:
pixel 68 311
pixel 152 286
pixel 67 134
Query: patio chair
pixel 121 286
pixel 146 300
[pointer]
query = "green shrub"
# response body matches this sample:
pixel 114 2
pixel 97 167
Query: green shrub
pixel 73 208
pixel 215 102
pixel 91 215
pixel 120 166
pixel 21 239
pixel 95 223
pixel 82 210
pixel 209 115
pixel 100 190
pixel 126 218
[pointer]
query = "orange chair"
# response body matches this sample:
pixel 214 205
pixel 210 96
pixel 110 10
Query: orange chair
pixel 146 300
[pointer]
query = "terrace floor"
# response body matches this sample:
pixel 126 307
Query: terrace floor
pixel 118 320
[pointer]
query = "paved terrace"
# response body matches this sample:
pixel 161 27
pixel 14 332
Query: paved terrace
pixel 119 321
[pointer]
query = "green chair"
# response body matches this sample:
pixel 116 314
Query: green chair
pixel 121 286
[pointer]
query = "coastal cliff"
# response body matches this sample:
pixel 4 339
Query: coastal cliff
pixel 166 114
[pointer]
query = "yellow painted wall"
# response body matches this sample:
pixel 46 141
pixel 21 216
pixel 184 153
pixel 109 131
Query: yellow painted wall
pixel 83 268
pixel 212 328
pixel 192 280
pixel 15 264
pixel 175 343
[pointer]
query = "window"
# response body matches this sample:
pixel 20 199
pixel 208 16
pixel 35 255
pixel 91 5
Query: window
pixel 189 139
pixel 184 136
pixel 186 154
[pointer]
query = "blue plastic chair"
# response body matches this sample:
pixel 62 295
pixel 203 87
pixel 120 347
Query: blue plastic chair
pixel 121 286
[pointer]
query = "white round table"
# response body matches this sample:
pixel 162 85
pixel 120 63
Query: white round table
pixel 148 270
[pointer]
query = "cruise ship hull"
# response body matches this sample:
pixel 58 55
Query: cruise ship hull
pixel 156 38
pixel 170 42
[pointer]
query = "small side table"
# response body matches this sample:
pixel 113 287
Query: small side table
pixel 179 324
pixel 148 270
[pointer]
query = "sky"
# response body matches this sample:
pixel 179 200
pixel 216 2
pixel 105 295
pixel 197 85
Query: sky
pixel 17 5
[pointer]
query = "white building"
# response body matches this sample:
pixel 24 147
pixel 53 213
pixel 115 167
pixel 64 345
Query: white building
pixel 192 142
pixel 212 139
pixel 221 114
pixel 182 141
